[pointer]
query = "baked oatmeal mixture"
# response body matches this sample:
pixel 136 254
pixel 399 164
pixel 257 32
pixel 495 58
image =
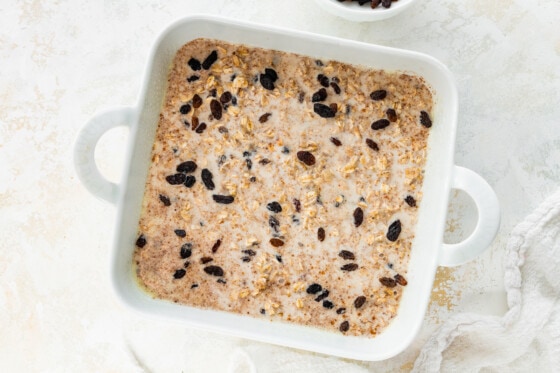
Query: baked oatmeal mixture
pixel 284 187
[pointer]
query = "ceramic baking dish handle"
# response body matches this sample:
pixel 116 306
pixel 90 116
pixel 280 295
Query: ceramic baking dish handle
pixel 84 150
pixel 488 223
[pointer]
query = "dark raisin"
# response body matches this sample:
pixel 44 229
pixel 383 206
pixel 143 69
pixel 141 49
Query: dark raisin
pixel 249 163
pixel 285 150
pixel 336 88
pixel 263 118
pixel 180 273
pixel 245 259
pixel 297 204
pixel 223 129
pixel 372 144
pixel 262 311
pixel 193 286
pixel 186 264
pixel 187 167
pixel 375 3
pixel 180 232
pixel 394 231
pixel 267 82
pixel 189 181
pixel 214 271
pixel 216 109
pixel 387 281
pixel 274 223
pixel 213 92
pixel 186 251
pixel 165 200
pixel 194 64
pixel 276 242
pixel 193 78
pixel 176 179
pixel 185 109
pixel 392 115
pixel 359 302
pixel 246 153
pixel 425 119
pixel 272 73
pixel 341 311
pixel 212 57
pixel 201 128
pixel 194 123
pixel 319 63
pixel 264 161
pixel 328 304
pixel 321 234
pixel 225 97
pixel 221 281
pixel 306 157
pixel 249 252
pixel 324 111
pixel 358 216
pixel 400 280
pixel 386 3
pixel 216 246
pixel 314 289
pixel 380 124
pixel 334 107
pixel 349 267
pixel 320 95
pixel 336 141
pixel 301 97
pixel 322 296
pixel 323 80
pixel 279 258
pixel 207 179
pixel 344 326
pixel 226 200
pixel 347 255
pixel 196 101
pixel 378 95
pixel 253 179
pixel 274 207
pixel 141 241
pixel 410 201
pixel 206 259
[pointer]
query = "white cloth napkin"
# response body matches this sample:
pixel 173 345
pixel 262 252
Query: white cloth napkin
pixel 527 338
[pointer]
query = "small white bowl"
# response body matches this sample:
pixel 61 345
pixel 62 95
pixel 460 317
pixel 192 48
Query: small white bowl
pixel 352 11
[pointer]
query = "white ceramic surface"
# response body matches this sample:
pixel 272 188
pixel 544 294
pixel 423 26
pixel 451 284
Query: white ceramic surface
pixel 352 11
pixel 441 175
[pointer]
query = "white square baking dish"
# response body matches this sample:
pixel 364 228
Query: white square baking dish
pixel 441 175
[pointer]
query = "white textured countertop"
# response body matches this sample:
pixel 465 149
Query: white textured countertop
pixel 62 61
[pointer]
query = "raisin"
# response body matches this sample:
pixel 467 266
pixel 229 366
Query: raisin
pixel 274 223
pixel 253 179
pixel 336 88
pixel 249 163
pixel 320 95
pixel 176 179
pixel 297 204
pixel 344 326
pixel 341 311
pixel 322 296
pixel 221 281
pixel 391 115
pixel 186 251
pixel 216 246
pixel 279 258
pixel 321 234
pixel 276 242
pixel 274 207
pixel 189 181
pixel 187 167
pixel 314 289
pixel 328 304
pixel 387 281
pixel 185 109
pixel 410 201
pixel 223 129
pixel 267 82
pixel 249 252
pixel 201 128
pixel 400 280
pixel 194 123
pixel 194 64
pixel 262 311
pixel 214 271
pixel 336 141
pixel 264 118
pixel 193 286
pixel 425 119
pixel 225 97
pixel 378 95
pixel 380 124
pixel 358 216
pixel 193 78
pixel 196 101
pixel 272 73
pixel 324 111
pixel 347 255
pixel 226 200
pixel 306 157
pixel 165 200
pixel 141 241
pixel 334 107
pixel 264 161
pixel 359 302
pixel 386 3
pixel 375 3
pixel 209 61
pixel 206 259
pixel 180 232
pixel 319 63
pixel 372 144
pixel 246 153
pixel 245 259
pixel 394 231
pixel 349 267
pixel 301 97
pixel 180 273
pixel 216 109
pixel 207 179
pixel 186 264
pixel 234 101
pixel 323 80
